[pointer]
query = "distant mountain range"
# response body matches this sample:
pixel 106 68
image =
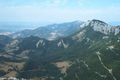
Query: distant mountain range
pixel 69 51
pixel 51 32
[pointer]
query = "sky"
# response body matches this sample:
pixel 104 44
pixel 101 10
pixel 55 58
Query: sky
pixel 57 11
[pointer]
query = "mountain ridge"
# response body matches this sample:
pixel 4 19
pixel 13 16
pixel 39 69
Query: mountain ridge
pixel 54 31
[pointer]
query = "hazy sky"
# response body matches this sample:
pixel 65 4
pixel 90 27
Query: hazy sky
pixel 52 11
